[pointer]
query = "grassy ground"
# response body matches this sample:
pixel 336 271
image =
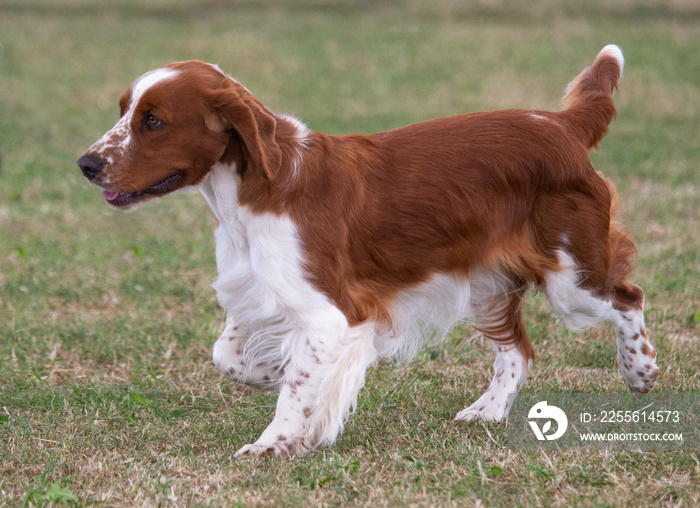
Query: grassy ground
pixel 107 393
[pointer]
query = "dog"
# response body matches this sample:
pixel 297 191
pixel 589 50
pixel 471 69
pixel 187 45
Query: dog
pixel 335 251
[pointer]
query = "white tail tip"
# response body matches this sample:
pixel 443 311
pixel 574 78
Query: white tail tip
pixel 615 52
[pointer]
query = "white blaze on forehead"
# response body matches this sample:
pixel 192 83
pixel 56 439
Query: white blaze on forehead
pixel 147 81
pixel 115 142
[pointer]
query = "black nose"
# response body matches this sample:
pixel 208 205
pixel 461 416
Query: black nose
pixel 90 165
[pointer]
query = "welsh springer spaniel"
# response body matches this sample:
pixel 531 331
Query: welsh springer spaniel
pixel 335 251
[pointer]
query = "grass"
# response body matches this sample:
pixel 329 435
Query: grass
pixel 107 392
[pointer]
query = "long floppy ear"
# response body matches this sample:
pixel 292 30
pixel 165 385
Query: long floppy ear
pixel 234 107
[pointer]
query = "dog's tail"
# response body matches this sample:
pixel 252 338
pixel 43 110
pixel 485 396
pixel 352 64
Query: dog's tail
pixel 588 107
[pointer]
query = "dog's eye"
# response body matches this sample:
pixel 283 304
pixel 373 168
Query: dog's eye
pixel 152 121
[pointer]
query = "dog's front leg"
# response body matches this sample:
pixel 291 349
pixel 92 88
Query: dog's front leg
pixel 228 354
pixel 318 391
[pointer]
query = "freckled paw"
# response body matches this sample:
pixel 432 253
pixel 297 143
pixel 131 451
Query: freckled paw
pixel 281 448
pixel 480 412
pixel 251 450
pixel 643 380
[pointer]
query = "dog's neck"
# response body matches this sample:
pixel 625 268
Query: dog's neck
pixel 220 188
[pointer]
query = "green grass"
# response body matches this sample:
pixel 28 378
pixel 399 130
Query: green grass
pixel 107 392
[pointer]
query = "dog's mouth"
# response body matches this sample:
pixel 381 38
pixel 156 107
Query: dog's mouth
pixel 127 199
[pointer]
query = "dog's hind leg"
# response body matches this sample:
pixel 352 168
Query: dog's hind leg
pixel 589 286
pixel 500 318
pixel 623 306
pixel 636 357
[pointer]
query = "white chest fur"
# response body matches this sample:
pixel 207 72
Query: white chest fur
pixel 261 283
pixel 280 331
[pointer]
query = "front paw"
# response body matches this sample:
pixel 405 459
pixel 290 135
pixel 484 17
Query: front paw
pixel 283 447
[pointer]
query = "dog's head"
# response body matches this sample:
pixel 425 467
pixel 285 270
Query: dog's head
pixel 176 122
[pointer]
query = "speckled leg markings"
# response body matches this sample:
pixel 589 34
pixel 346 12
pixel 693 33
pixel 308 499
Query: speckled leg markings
pixel 636 356
pixel 228 356
pixel 287 434
pixel 318 391
pixel 510 372
pixel 290 431
pixel 581 308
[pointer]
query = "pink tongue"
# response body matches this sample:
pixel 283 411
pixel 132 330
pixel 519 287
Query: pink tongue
pixel 109 195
